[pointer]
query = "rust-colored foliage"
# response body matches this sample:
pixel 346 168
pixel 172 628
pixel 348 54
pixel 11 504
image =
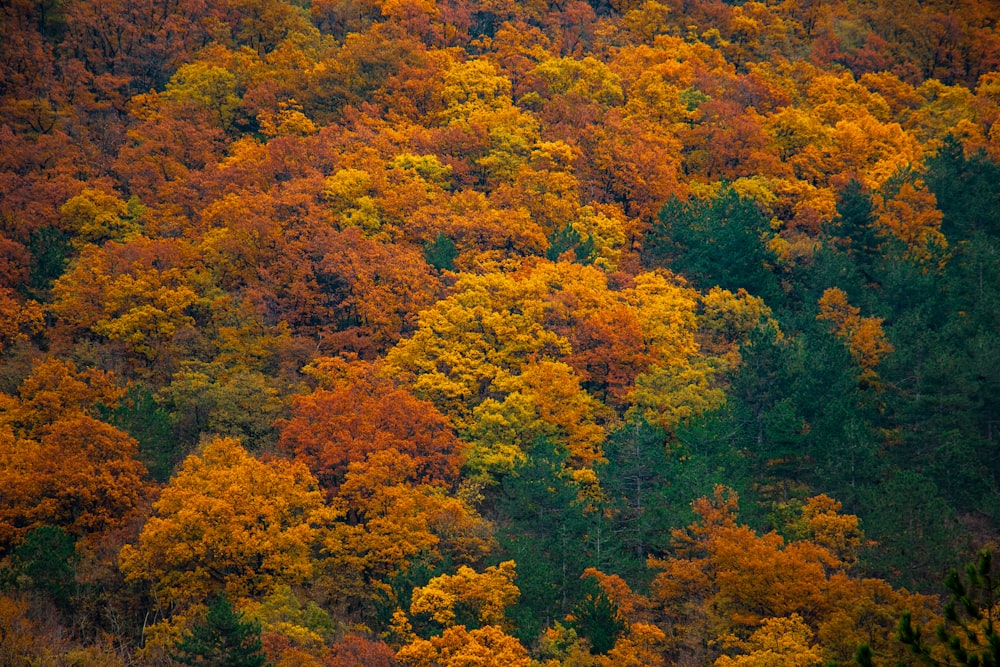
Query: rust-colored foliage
pixel 362 413
pixel 80 473
pixel 60 465
pixel 354 649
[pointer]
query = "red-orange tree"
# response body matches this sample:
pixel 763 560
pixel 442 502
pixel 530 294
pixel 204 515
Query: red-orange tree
pixel 360 413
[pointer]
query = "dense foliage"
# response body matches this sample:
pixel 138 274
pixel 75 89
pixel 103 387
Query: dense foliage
pixel 444 332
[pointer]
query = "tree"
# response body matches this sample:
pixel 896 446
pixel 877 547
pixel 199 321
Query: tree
pixel 969 633
pixel 58 389
pixel 912 216
pixel 382 287
pixel 206 85
pixel 360 413
pixel 396 530
pixel 49 247
pixel 568 239
pixel 719 241
pixel 915 527
pixel 458 647
pixel 636 484
pixel 544 401
pixel 481 334
pixel 22 637
pixel 855 229
pixel 609 350
pixel 228 522
pixel 724 583
pixel 864 335
pixel 95 216
pixel 467 597
pixel 287 623
pixel 60 465
pixel 779 641
pixel 221 639
pixel 552 532
pixel 488 233
pixel 966 189
pixel 80 474
pixel 441 253
pixel 18 319
pixel 355 649
pixel 729 142
pixel 168 146
pixel 140 415
pixel 45 561
pixel 596 619
pixel 137 293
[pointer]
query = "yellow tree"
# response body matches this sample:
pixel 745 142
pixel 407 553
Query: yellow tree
pixel 57 390
pixel 587 78
pixel 209 86
pixel 516 356
pixel 488 356
pixel 544 400
pixel 778 642
pixel 468 597
pixel 643 645
pixel 391 522
pixel 96 216
pixel 727 319
pixel 823 523
pixel 680 382
pixel 546 186
pixel 474 85
pixel 478 105
pixel 137 294
pixel 303 628
pixel 913 217
pixel 19 318
pixel 228 522
pixel 480 335
pixel 488 646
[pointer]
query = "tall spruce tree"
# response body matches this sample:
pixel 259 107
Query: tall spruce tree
pixel 715 241
pixel 855 229
pixel 222 639
pixel 551 534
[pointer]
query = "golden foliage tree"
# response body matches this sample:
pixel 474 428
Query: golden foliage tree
pixel 229 522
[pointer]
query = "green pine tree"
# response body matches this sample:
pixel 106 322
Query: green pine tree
pixel 716 241
pixel 45 561
pixel 49 248
pixel 139 415
pixel 441 253
pixel 967 190
pixel 970 627
pixel 568 238
pixel 222 639
pixel 545 527
pixel 596 618
pixel 855 229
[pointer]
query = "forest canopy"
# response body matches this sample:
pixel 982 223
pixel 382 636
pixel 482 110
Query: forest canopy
pixel 444 332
